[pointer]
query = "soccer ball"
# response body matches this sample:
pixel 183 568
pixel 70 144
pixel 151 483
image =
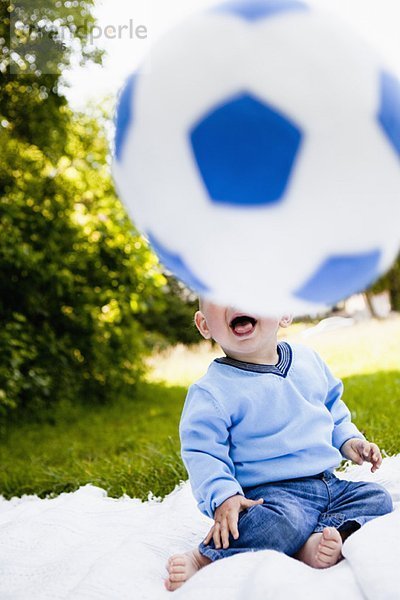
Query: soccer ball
pixel 259 152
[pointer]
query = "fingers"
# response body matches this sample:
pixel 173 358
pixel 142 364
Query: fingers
pixel 217 535
pixel 246 503
pixel 232 524
pixel 375 457
pixel 363 449
pixel 221 534
pixel 225 534
pixel 221 529
pixel 226 522
pixel 228 525
pixel 208 536
pixel 368 451
pixel 360 452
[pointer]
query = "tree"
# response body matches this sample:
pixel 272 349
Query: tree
pixel 171 319
pixel 37 41
pixel 390 282
pixel 74 274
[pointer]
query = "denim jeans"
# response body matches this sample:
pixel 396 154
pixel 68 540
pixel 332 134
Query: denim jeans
pixel 295 508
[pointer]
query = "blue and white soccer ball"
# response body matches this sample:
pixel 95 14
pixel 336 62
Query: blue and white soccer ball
pixel 259 152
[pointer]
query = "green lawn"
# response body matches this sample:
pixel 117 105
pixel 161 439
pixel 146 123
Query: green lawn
pixel 132 447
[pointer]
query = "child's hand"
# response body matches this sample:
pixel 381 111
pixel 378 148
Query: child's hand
pixel 226 519
pixel 360 450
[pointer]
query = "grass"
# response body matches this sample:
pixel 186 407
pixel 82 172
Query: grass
pixel 131 446
pixel 365 347
pixel 374 401
pixel 127 447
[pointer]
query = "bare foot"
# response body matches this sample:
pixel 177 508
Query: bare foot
pixel 183 566
pixel 322 550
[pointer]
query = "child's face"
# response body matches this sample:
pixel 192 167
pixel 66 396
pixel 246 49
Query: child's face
pixel 238 333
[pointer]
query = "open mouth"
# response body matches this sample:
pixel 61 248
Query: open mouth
pixel 243 324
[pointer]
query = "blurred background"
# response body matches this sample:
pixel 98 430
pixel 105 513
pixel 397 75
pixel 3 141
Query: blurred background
pixel 97 342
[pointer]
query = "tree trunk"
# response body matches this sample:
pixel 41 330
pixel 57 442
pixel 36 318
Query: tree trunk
pixel 368 300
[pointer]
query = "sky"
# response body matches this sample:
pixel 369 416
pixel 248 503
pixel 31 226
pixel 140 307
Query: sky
pixel 377 20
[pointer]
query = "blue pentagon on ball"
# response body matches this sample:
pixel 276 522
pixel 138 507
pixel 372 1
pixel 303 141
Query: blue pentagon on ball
pixel 124 115
pixel 177 265
pixel 340 276
pixel 389 111
pixel 245 151
pixel 253 10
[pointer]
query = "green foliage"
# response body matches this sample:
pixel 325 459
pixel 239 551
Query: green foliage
pixel 32 58
pixel 171 320
pixel 42 35
pixel 74 274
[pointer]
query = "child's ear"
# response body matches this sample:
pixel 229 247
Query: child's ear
pixel 201 324
pixel 285 321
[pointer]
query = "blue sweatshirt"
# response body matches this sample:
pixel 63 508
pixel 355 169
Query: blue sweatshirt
pixel 245 424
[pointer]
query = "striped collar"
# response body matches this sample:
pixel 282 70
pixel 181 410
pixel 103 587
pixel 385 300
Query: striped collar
pixel 281 368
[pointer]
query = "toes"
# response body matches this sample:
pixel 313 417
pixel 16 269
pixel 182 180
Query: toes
pixel 171 558
pixel 177 569
pixel 177 577
pixel 176 557
pixel 331 534
pixel 172 586
pixel 176 564
pixel 179 561
pixel 325 561
pixel 329 548
pixel 167 585
pixel 328 544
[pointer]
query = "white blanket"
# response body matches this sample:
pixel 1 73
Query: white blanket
pixel 84 545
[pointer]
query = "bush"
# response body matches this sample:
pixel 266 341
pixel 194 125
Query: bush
pixel 171 321
pixel 74 274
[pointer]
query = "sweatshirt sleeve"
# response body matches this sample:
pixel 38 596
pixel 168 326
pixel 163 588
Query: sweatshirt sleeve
pixel 343 429
pixel 204 433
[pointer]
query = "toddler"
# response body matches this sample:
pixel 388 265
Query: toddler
pixel 261 435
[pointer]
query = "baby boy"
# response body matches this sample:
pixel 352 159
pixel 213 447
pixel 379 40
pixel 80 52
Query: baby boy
pixel 261 435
